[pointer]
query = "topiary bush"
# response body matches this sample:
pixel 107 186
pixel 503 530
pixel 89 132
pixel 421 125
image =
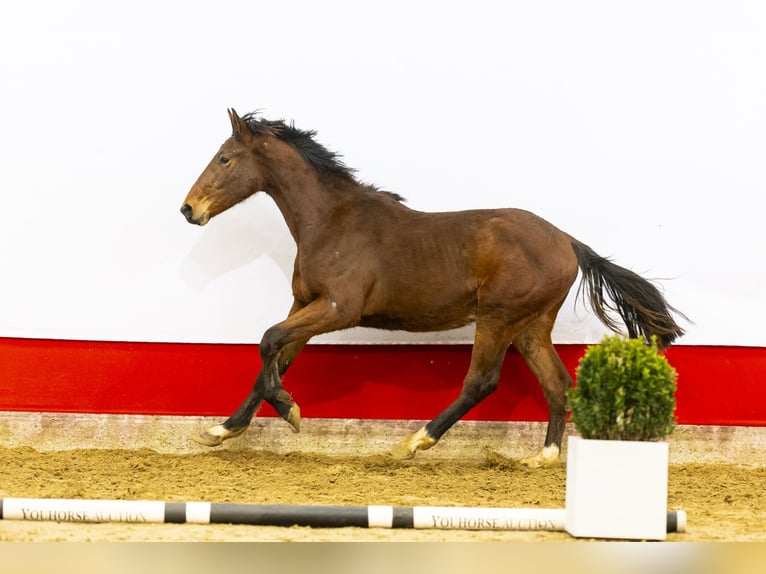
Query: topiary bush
pixel 625 391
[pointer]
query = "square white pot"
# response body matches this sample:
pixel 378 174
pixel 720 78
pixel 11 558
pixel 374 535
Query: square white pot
pixel 617 489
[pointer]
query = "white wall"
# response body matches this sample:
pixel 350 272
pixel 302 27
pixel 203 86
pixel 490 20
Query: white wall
pixel 639 127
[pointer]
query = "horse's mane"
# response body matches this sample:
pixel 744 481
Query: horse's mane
pixel 312 151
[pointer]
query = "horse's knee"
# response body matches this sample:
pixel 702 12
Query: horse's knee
pixel 270 343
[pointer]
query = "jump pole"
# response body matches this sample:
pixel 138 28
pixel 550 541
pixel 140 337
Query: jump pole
pixel 316 516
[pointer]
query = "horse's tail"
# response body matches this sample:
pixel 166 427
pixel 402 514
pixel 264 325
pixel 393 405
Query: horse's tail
pixel 611 288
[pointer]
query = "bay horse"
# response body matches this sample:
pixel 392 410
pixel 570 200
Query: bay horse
pixel 364 258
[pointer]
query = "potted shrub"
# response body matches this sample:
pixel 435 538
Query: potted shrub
pixel 617 469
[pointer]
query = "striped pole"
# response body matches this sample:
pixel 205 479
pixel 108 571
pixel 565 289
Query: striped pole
pixel 421 517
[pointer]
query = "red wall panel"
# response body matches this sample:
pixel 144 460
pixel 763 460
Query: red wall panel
pixel 717 385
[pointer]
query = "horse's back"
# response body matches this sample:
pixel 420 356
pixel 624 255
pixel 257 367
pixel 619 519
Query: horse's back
pixel 430 270
pixel 521 255
pixel 492 237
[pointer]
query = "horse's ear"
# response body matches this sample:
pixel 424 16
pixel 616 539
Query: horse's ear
pixel 239 128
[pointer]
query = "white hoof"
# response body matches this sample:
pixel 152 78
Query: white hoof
pixel 215 436
pixel 549 456
pixel 420 440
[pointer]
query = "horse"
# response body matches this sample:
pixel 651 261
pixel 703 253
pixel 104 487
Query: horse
pixel 366 259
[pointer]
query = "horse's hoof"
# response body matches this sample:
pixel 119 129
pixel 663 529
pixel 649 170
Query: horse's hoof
pixel 420 440
pixel 215 436
pixel 207 439
pixel 402 452
pixel 294 417
pixel 548 457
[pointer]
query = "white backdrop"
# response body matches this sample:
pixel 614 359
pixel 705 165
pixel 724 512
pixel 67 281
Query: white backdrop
pixel 638 127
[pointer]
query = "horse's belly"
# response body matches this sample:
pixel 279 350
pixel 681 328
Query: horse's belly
pixel 419 322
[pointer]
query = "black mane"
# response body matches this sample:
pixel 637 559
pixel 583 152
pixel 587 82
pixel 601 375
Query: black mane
pixel 302 140
pixel 312 151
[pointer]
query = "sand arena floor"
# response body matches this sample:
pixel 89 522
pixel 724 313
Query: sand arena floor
pixel 724 502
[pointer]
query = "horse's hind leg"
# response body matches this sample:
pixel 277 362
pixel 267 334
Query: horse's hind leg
pixel 535 345
pixel 482 379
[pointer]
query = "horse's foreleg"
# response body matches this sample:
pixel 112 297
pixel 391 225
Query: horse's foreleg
pixel 238 422
pixel 276 395
pixel 268 387
pixel 281 355
pixel 279 346
pixel 540 355
pixel 482 379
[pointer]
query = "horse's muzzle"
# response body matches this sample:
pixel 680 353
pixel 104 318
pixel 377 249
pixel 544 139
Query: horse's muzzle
pixel 188 212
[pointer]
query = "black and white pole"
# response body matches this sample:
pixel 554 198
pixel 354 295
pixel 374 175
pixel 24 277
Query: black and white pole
pixel 420 517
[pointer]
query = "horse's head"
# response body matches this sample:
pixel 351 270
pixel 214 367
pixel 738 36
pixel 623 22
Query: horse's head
pixel 230 177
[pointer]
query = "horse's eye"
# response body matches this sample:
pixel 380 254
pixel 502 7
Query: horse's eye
pixel 223 159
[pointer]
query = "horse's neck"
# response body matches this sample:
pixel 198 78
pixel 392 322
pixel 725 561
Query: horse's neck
pixel 305 203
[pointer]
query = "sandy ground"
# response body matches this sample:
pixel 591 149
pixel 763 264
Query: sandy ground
pixel 724 502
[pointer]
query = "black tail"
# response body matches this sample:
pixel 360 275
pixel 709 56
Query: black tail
pixel 609 287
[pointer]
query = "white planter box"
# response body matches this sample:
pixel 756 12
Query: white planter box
pixel 617 489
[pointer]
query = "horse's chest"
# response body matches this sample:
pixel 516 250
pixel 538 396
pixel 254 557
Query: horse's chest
pixel 301 290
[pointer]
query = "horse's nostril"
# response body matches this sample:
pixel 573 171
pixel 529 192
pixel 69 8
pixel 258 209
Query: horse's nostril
pixel 187 211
